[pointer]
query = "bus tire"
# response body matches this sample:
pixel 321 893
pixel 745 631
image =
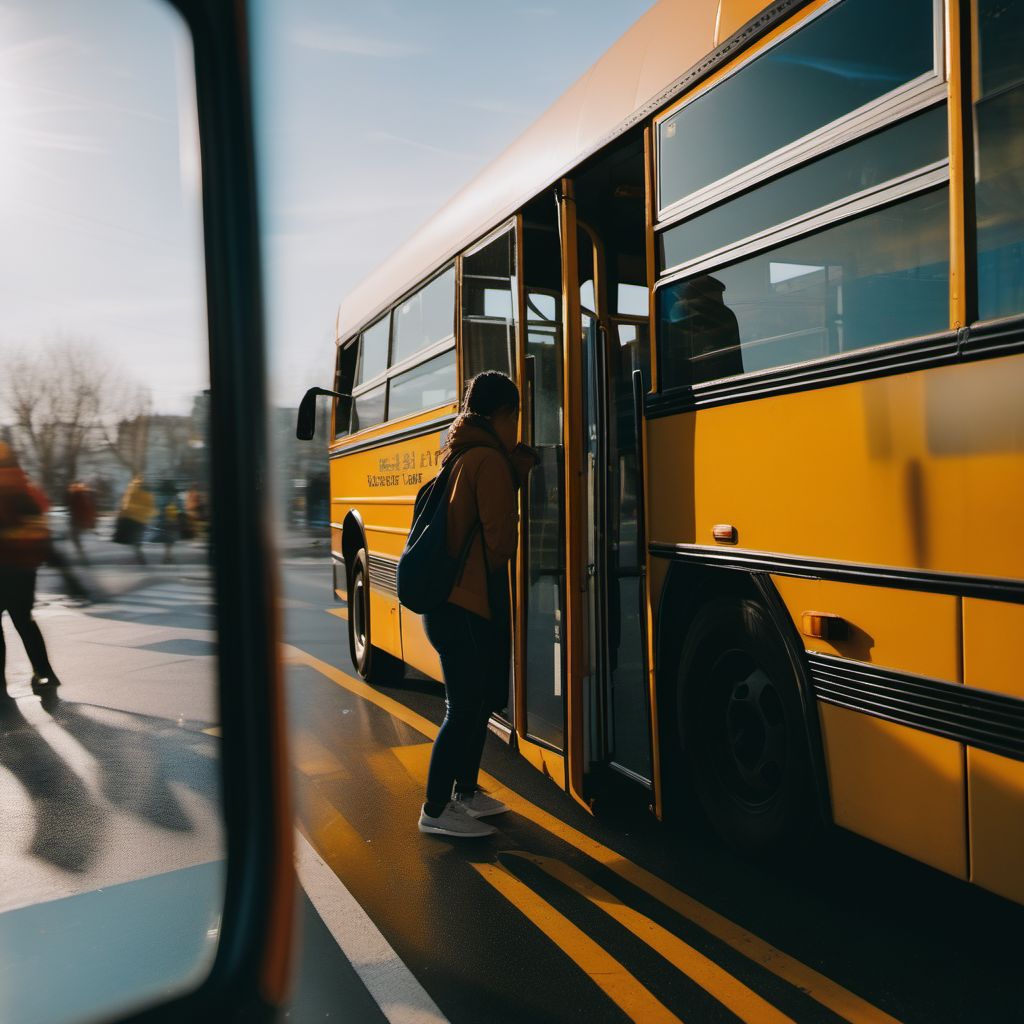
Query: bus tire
pixel 374 665
pixel 741 721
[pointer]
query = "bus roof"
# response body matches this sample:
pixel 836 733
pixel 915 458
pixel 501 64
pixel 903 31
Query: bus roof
pixel 633 78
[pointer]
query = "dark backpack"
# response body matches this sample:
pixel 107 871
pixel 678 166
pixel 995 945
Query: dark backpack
pixel 426 572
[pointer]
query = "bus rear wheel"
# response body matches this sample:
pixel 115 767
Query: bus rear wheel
pixel 372 664
pixel 741 721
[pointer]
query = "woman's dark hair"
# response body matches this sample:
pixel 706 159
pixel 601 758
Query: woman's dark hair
pixel 486 394
pixel 490 392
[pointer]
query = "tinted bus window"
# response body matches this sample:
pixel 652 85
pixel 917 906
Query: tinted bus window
pixel 847 57
pixel 425 318
pixel 880 158
pixel 879 278
pixel 368 409
pixel 999 114
pixel 489 307
pixel 428 385
pixel 374 355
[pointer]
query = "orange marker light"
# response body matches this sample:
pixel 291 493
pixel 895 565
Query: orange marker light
pixel 823 626
pixel 724 532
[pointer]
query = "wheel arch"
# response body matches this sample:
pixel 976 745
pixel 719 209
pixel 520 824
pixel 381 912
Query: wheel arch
pixel 353 537
pixel 686 590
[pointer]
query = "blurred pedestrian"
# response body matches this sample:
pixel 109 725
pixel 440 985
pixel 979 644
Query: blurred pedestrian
pixel 24 546
pixel 169 517
pixel 137 509
pixel 81 502
pixel 194 524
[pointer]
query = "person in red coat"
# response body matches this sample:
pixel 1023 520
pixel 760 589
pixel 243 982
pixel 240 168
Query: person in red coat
pixel 24 546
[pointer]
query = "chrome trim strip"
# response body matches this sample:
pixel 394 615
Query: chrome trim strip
pixel 965 714
pixel 383 573
pixel 918 180
pixel 409 363
pixel 993 588
pixel 416 430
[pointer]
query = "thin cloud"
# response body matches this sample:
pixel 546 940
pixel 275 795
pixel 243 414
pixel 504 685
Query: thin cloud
pixel 333 40
pixel 424 147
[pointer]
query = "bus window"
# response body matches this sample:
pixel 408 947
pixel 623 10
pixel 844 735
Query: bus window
pixel 373 351
pixel 999 192
pixel 425 386
pixel 879 278
pixel 425 318
pixel 835 65
pixel 368 408
pixel 343 379
pixel 489 307
pixel 870 163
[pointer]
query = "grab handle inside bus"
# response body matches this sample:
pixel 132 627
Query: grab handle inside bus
pixel 305 427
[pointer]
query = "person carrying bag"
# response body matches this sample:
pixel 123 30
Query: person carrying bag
pixel 467 617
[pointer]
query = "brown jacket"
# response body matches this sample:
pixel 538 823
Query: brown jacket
pixel 484 485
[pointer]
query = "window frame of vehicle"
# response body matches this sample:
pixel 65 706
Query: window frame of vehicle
pixel 250 974
pixel 381 383
pixel 889 114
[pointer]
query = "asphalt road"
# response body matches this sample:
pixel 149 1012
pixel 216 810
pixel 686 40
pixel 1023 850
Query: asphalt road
pixel 564 916
pixel 111 858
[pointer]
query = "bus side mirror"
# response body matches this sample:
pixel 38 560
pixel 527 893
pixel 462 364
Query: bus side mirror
pixel 305 428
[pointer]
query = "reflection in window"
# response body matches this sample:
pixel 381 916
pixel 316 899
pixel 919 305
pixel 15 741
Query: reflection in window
pixel 489 308
pixel 914 143
pixel 427 386
pixel 847 57
pixel 426 317
pixel 373 354
pixel 876 279
pixel 368 409
pixel 999 156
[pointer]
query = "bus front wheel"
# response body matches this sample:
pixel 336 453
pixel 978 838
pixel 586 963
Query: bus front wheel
pixel 741 721
pixel 373 664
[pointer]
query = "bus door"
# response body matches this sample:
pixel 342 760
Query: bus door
pixel 540 709
pixel 613 344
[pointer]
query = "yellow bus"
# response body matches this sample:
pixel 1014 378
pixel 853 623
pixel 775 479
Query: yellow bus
pixel 760 277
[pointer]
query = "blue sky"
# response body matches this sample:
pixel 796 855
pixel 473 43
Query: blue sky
pixel 372 116
pixel 369 118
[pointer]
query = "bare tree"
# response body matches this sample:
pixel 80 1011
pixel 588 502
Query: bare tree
pixel 63 398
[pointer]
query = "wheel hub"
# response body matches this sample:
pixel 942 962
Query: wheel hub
pixel 755 728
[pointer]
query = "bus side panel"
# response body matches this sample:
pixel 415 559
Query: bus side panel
pixel 416 648
pixel 922 470
pixel 381 484
pixel 879 769
pixel 995 783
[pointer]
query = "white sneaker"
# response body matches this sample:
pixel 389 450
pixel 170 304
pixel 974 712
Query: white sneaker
pixel 480 805
pixel 455 821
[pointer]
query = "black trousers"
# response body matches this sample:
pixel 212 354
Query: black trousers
pixel 474 656
pixel 17 596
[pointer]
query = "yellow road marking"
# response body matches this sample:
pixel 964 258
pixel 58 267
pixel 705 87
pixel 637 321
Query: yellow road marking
pixel 742 1001
pixel 214 730
pixel 313 759
pixel 823 990
pixel 342 613
pixel 602 968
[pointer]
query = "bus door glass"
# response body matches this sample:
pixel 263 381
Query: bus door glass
pixel 543 533
pixel 614 336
